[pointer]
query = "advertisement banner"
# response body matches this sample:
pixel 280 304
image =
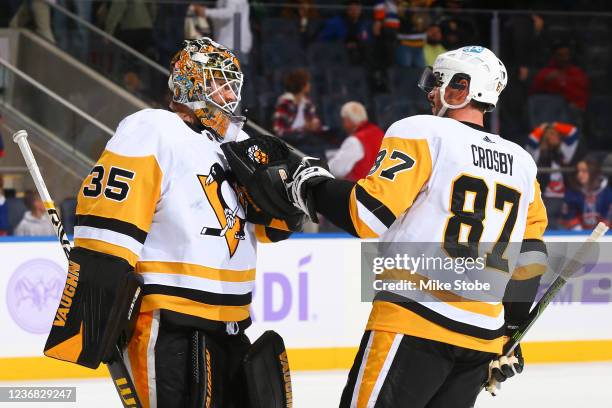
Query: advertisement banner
pixel 308 290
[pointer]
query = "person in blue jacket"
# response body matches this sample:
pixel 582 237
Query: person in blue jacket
pixel 588 200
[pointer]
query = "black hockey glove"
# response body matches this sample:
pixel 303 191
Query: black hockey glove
pixel 506 367
pixel 304 177
pixel 276 176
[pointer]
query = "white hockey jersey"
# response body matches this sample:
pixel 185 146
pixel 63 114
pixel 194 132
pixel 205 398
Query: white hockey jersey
pixel 159 198
pixel 438 180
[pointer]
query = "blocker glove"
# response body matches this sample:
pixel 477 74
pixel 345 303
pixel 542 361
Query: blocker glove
pixel 307 174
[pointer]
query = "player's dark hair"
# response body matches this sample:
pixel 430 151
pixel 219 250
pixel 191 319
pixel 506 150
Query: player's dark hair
pixel 481 106
pixel 296 80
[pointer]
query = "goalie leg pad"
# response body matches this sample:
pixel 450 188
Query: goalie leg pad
pixel 267 373
pixel 97 310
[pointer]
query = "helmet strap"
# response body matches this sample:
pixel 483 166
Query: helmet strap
pixel 446 106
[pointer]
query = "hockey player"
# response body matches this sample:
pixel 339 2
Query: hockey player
pixel 443 179
pixel 161 204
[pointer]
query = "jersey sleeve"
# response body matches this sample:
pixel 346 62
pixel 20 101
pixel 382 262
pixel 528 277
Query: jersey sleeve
pixel 403 166
pixel 532 263
pixel 117 200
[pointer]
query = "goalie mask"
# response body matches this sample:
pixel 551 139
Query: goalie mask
pixel 485 73
pixel 206 77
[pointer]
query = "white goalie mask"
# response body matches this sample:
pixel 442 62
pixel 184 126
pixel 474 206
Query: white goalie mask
pixel 486 75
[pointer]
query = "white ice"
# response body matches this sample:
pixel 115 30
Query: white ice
pixel 558 386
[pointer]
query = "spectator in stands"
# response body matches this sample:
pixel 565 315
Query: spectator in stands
pixel 38 10
pixel 358 151
pixel 35 221
pixel 75 40
pixel 4 218
pixel 295 114
pixel 553 145
pixel 385 26
pixel 167 33
pixel 352 29
pixel 411 33
pixel 563 78
pixel 458 28
pixel 306 14
pixel 588 200
pixel 523 40
pixel 196 25
pixel 433 44
pixel 132 23
pixel 222 19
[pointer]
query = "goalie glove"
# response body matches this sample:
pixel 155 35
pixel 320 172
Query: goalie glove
pixel 262 166
pixel 308 174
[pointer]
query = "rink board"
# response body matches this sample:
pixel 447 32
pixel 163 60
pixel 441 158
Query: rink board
pixel 308 290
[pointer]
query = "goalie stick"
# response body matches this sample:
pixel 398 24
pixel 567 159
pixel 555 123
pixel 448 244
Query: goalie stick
pixel 117 368
pixel 570 268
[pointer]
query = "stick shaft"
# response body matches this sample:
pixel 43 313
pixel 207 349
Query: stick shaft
pixel 21 138
pixel 568 270
pixel 571 267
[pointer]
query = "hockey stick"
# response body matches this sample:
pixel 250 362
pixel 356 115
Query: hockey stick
pixel 117 368
pixel 570 268
pixel 218 232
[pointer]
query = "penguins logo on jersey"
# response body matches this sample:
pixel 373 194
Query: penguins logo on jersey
pixel 231 220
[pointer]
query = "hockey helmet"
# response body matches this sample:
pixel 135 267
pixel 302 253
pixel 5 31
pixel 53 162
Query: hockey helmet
pixel 486 75
pixel 206 77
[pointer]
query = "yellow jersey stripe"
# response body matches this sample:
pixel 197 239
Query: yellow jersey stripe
pixel 199 271
pixel 106 248
pixel 528 271
pixel 389 317
pixel 260 234
pixel 193 308
pixel 361 228
pixel 537 219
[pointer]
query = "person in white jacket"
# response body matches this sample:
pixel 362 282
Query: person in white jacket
pixel 35 221
pixel 222 19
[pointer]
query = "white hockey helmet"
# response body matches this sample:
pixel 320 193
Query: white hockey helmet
pixel 486 74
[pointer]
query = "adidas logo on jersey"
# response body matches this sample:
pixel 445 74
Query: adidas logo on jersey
pixel 486 139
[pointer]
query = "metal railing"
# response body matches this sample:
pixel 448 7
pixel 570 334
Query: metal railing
pixel 79 20
pixel 55 97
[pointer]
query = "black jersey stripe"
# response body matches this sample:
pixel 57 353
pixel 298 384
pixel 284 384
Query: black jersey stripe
pixel 111 224
pixel 209 298
pixel 530 245
pixel 441 320
pixel 384 214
